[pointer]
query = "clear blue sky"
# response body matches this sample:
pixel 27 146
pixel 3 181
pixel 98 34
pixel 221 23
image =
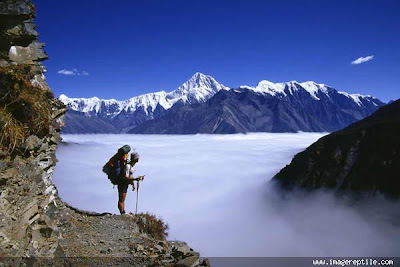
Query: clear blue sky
pixel 134 47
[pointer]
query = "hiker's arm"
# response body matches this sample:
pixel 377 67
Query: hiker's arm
pixel 130 179
pixel 139 178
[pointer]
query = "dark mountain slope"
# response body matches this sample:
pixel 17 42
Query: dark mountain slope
pixel 80 123
pixel 244 110
pixel 364 157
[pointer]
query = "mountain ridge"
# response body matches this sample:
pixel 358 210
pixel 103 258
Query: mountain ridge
pixel 126 115
pixel 363 158
pixel 264 86
pixel 243 110
pixel 198 88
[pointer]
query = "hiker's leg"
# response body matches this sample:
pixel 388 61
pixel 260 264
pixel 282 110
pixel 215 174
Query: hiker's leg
pixel 122 189
pixel 121 202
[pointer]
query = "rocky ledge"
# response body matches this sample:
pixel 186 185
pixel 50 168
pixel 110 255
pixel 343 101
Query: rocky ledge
pixel 35 224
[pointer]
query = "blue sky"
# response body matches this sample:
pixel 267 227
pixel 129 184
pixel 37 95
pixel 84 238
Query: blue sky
pixel 121 49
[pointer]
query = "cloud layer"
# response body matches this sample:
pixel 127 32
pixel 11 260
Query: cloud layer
pixel 362 60
pixel 213 191
pixel 73 72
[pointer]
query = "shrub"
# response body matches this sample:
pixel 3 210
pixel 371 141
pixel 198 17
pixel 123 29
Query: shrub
pixel 151 225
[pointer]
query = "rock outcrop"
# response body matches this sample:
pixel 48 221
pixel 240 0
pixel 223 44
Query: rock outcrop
pixel 36 226
pixel 363 158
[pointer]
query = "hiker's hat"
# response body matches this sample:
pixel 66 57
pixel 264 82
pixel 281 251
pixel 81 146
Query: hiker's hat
pixel 134 156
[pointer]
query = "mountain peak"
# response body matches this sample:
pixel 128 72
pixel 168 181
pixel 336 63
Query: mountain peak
pixel 271 88
pixel 200 80
pixel 199 74
pixel 198 88
pixel 63 97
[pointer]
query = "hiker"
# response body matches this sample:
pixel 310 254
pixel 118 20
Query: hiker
pixel 120 173
pixel 127 179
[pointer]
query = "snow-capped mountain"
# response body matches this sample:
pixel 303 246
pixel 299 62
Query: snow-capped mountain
pixel 267 107
pixel 305 101
pixel 197 89
pixel 129 113
pixel 314 89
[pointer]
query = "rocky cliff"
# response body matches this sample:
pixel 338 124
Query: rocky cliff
pixel 363 158
pixel 35 224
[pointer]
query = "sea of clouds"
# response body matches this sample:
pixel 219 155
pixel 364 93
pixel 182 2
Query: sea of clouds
pixel 214 192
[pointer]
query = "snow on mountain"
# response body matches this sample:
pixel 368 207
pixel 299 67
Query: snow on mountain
pixel 357 98
pixel 313 88
pixel 149 102
pixel 92 104
pixel 197 89
pixel 268 87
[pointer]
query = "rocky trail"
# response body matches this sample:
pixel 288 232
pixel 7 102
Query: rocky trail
pixel 118 239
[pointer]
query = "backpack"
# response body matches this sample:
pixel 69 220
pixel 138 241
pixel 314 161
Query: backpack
pixel 107 168
pixel 110 168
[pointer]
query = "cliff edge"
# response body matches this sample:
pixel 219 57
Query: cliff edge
pixel 35 224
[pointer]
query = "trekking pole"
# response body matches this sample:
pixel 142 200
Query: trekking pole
pixel 137 195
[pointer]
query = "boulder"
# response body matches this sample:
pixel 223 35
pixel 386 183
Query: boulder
pixel 205 262
pixel 29 211
pixel 26 55
pixel 3 63
pixel 58 123
pixel 23 7
pixel 181 250
pixel 188 261
pixel 40 81
pixel 22 34
pixel 56 138
pixel 20 54
pixel 29 28
pixel 32 143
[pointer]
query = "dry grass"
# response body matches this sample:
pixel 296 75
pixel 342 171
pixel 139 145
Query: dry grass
pixel 12 132
pixel 24 109
pixel 153 226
